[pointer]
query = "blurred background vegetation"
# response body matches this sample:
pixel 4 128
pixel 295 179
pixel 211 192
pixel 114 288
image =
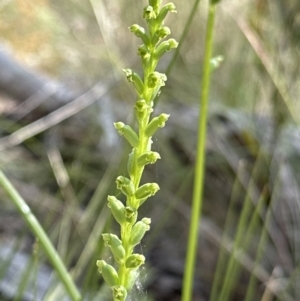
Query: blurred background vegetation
pixel 63 154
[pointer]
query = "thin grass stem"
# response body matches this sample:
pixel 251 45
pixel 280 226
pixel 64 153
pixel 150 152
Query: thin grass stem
pixel 44 240
pixel 200 162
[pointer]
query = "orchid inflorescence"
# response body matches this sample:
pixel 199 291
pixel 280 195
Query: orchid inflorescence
pixel 132 231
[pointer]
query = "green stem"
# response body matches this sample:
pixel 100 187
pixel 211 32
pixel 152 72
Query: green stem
pixel 200 163
pixel 136 178
pixel 39 232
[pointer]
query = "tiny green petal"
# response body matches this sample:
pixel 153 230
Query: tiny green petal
pixel 164 47
pixel 156 123
pixel 117 208
pixel 135 79
pixel 115 244
pixel 138 231
pixel 149 13
pixel 134 261
pixel 125 185
pixel 109 274
pixel 129 134
pixel 119 293
pixel 148 158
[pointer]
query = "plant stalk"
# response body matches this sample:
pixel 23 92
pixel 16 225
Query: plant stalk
pixel 200 162
pixel 39 232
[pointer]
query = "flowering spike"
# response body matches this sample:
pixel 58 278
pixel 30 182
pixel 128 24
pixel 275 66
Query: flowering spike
pixel 147 88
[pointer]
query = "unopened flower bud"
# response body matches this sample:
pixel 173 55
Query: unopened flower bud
pixel 156 123
pixel 149 13
pixel 138 231
pixel 117 208
pixel 135 79
pixel 109 274
pixel 148 158
pixel 115 244
pixel 134 261
pixel 156 80
pixel 125 185
pixel 119 293
pixel 139 31
pixel 169 7
pixel 128 133
pixel 164 47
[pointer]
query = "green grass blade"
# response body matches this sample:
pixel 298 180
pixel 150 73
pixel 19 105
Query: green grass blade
pixel 39 232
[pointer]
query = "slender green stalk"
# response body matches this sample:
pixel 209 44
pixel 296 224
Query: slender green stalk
pixel 200 162
pixel 39 232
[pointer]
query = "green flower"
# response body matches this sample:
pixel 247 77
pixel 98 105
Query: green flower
pixel 164 47
pixel 109 274
pixel 156 80
pixel 135 79
pixel 115 244
pixel 138 231
pixel 125 185
pixel 129 134
pixel 140 32
pixel 156 123
pixel 119 293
